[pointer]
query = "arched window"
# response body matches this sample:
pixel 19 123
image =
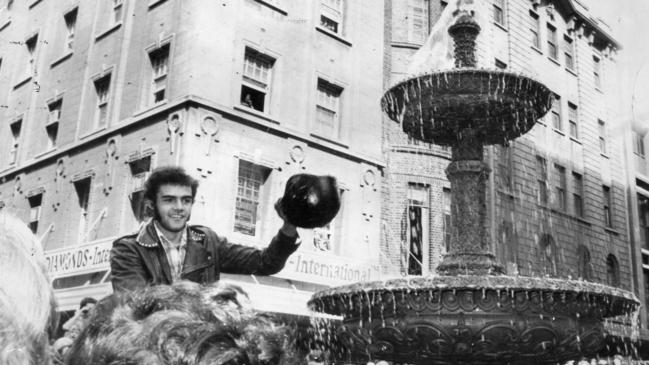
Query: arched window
pixel 612 270
pixel 548 255
pixel 584 270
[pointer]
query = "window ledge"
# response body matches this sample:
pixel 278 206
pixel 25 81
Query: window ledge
pixel 23 81
pixel 34 3
pixel 571 71
pixel 256 113
pixel 507 192
pixel 148 108
pixel 537 49
pixel 599 89
pixel 61 59
pixel 92 133
pixel 559 131
pixel 541 122
pixel 273 7
pixel 5 24
pixel 575 140
pixel 46 152
pixel 639 155
pixel 554 60
pixel 410 45
pixel 333 35
pixel 154 3
pixel 108 31
pixel 612 230
pixel 501 26
pixel 604 155
pixel 10 166
pixel 330 140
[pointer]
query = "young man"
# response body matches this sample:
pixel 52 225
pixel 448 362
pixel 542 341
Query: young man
pixel 167 249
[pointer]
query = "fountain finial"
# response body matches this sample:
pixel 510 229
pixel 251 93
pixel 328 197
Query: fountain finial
pixel 464 33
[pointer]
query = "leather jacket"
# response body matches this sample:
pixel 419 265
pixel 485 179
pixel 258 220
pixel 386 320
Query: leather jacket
pixel 138 260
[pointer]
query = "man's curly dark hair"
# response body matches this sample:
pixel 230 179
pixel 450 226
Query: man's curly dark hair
pixel 168 175
pixel 184 323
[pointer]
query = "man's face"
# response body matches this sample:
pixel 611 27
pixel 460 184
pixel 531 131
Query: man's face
pixel 173 207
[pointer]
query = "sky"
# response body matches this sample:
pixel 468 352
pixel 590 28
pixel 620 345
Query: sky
pixel 629 22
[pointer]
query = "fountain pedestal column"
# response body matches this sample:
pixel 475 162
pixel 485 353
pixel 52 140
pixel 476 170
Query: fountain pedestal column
pixel 470 248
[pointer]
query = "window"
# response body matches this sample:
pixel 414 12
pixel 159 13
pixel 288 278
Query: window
pixel 102 88
pixel 328 238
pixel 535 29
pixel 608 218
pixel 140 169
pixel 547 256
pixel 117 11
pixel 35 202
pixel 560 188
pixel 597 72
pixel 573 120
pixel 31 44
pixel 252 179
pixel 504 177
pixel 257 76
pixel 584 269
pixel 499 11
pixel 331 15
pixel 500 65
pixel 159 65
pixel 54 109
pixel 578 194
pixel 552 42
pixel 417 20
pixel 638 144
pixel 418 221
pixel 446 195
pixel 556 113
pixel 328 109
pixel 643 215
pixel 612 271
pixel 602 136
pixel 15 128
pixel 569 52
pixel 70 25
pixel 52 130
pixel 82 188
pixel 542 178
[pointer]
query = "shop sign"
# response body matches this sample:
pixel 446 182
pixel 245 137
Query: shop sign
pixel 90 257
pixel 327 269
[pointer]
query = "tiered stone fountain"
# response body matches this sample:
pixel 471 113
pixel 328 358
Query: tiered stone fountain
pixel 470 313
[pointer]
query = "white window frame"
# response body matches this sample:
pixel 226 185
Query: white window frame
pixel 419 196
pixel 536 30
pixel 569 52
pixel 70 25
pixel 117 11
pixel 638 144
pixel 597 72
pixel 328 102
pixel 603 148
pixel 573 120
pixel 258 186
pixel 15 139
pixel 332 10
pixel 257 74
pixel 31 44
pixel 102 99
pixel 555 113
pixel 35 210
pixel 499 7
pixel 418 12
pixel 159 59
pixel 553 46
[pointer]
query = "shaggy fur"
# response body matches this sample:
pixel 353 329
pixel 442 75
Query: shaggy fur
pixel 27 311
pixel 184 323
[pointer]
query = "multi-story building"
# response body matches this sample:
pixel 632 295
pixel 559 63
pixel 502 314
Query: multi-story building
pixel 556 196
pixel 95 94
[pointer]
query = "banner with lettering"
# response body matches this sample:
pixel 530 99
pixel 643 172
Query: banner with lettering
pixel 90 257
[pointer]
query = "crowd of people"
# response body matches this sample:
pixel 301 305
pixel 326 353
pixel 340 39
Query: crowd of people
pixel 167 307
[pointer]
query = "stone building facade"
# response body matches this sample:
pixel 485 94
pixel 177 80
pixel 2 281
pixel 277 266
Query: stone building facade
pixel 243 94
pixel 556 196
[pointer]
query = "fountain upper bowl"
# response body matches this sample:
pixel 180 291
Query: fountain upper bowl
pixel 495 106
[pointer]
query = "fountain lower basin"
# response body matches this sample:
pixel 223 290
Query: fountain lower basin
pixel 470 319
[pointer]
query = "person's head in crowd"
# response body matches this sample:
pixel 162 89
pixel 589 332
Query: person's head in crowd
pixel 158 185
pixel 27 310
pixel 184 323
pixel 78 322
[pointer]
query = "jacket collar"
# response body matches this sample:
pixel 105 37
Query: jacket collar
pixel 148 237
